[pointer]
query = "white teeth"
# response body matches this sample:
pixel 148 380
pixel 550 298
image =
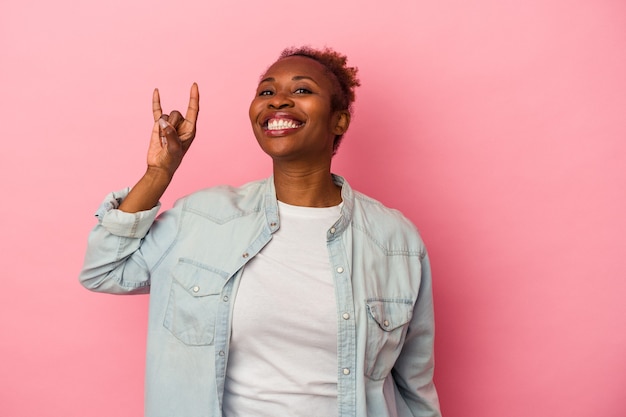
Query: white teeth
pixel 280 124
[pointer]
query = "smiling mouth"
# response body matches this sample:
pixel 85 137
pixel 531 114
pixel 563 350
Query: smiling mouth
pixel 282 124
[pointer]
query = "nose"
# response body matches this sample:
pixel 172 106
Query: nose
pixel 280 101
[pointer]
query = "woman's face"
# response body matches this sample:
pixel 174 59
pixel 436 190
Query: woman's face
pixel 291 113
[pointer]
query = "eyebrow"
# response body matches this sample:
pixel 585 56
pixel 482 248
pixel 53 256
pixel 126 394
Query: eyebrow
pixel 295 78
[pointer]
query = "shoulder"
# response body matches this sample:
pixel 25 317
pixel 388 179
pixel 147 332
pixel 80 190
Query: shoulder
pixel 224 202
pixel 386 227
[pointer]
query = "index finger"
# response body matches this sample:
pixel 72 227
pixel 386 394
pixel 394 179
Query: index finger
pixel 194 104
pixel 156 105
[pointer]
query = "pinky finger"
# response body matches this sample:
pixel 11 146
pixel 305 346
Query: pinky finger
pixel 156 105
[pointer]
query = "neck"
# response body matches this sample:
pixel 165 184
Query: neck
pixel 309 188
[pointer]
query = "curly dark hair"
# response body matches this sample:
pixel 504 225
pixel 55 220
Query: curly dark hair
pixel 336 64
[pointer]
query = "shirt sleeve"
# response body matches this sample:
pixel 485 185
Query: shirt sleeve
pixel 414 368
pixel 116 260
pixel 120 223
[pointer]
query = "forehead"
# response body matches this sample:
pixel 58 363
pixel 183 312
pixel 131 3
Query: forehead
pixel 296 66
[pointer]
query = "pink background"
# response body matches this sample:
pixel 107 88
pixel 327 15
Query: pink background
pixel 498 127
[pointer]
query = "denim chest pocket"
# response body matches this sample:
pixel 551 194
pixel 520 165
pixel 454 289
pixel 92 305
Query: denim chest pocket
pixel 192 305
pixel 387 323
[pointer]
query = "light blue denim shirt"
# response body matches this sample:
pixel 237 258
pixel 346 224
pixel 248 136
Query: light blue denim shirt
pixel 190 259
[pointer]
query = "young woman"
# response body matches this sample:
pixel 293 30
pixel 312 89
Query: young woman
pixel 290 296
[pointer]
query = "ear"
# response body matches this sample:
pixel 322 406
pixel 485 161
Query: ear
pixel 342 123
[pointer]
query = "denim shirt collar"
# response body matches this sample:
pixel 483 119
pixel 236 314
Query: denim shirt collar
pixel 347 195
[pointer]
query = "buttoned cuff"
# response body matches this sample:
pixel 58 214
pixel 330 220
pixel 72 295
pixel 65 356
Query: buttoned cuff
pixel 121 223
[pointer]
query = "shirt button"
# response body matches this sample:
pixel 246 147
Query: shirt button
pixel 332 230
pixel 195 289
pixel 340 269
pixel 345 316
pixel 386 323
pixel 245 255
pixel 225 298
pixel 221 353
pixel 273 224
pixel 346 371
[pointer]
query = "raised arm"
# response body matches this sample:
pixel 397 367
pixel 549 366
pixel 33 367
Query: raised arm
pixel 119 257
pixel 171 137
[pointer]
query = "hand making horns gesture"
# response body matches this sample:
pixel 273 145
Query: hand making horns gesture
pixel 172 134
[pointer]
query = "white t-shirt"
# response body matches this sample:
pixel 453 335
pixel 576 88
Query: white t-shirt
pixel 283 351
